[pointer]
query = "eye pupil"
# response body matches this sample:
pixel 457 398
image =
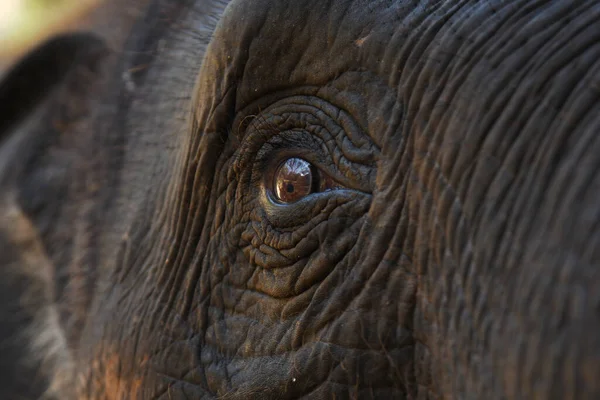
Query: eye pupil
pixel 293 180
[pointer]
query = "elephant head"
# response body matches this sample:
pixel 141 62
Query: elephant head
pixel 282 199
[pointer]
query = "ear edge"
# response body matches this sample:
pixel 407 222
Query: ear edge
pixel 29 82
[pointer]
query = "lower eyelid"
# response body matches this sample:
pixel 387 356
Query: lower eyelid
pixel 327 183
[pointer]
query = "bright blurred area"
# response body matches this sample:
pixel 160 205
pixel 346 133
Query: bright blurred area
pixel 23 23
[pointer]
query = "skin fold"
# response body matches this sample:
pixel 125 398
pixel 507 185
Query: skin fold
pixel 454 255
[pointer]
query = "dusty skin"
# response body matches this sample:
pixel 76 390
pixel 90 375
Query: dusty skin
pixel 271 199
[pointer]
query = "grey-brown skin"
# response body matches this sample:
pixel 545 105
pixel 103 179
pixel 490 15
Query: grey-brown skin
pixel 461 258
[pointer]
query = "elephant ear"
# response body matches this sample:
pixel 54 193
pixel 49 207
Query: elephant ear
pixel 44 101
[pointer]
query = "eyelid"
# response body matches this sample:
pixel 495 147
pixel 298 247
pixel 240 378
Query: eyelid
pixel 311 128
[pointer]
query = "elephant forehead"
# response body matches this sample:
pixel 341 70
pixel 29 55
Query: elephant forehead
pixel 263 51
pixel 264 45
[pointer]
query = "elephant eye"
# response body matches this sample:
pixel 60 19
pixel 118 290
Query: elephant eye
pixel 296 178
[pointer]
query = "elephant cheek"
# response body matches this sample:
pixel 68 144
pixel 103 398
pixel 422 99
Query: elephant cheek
pixel 117 384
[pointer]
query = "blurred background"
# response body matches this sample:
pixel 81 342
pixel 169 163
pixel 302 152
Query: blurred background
pixel 24 23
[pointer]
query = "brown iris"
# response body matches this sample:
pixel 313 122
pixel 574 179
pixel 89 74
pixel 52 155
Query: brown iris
pixel 294 180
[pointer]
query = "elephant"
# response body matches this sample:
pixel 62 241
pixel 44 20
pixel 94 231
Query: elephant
pixel 262 199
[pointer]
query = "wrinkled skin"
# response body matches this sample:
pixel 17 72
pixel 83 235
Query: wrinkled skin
pixel 143 257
